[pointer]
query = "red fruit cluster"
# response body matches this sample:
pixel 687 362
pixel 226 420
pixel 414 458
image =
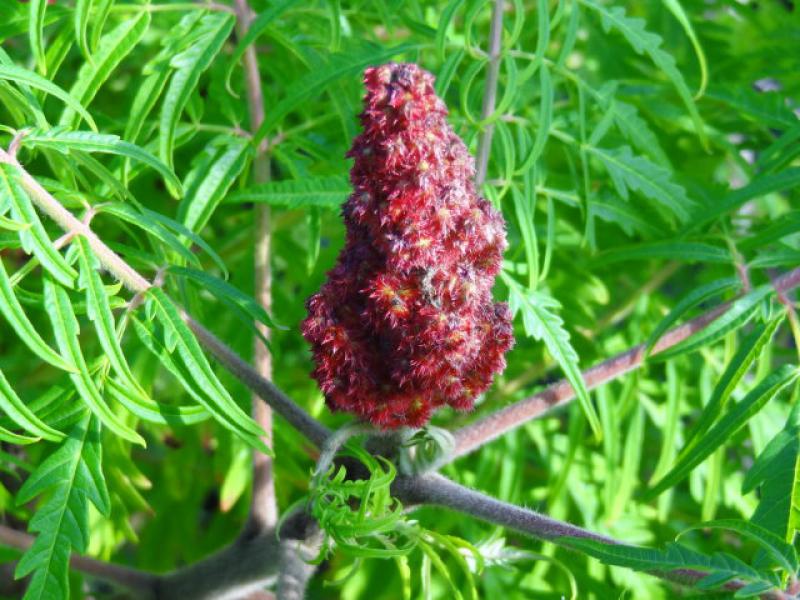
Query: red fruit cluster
pixel 406 322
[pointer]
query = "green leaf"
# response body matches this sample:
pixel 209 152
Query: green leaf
pixel 25 77
pixel 339 65
pixel 34 239
pixel 677 10
pixel 224 290
pixel 18 411
pixel 786 224
pixel 693 299
pixel 222 407
pixel 113 48
pixel 81 22
pixel 129 214
pixel 541 323
pixel 321 192
pixel 672 557
pixel 777 471
pixel 257 27
pixel 726 427
pixel 70 478
pixel 209 187
pixel 645 42
pixel 758 187
pixel 102 143
pixel 448 13
pixel 688 251
pixel 37 10
pixel 738 314
pixel 748 352
pixel 148 409
pixel 211 34
pixel 13 313
pixel 639 174
pixel 782 553
pixel 65 325
pixel 99 312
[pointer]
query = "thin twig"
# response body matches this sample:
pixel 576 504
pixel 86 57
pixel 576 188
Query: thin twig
pixel 490 91
pixel 315 431
pixel 492 426
pixel 263 507
pixel 141 584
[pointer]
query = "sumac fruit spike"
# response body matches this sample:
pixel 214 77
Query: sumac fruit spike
pixel 405 322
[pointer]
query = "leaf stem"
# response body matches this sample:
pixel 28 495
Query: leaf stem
pixel 263 507
pixel 490 91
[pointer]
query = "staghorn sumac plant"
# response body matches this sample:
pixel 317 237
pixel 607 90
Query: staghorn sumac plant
pixel 174 184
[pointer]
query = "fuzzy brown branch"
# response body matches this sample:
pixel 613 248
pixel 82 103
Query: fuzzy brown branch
pixel 490 91
pixel 263 507
pixel 483 431
pixel 131 279
pixel 434 489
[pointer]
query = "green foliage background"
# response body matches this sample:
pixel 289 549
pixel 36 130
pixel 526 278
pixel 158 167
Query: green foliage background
pixel 644 163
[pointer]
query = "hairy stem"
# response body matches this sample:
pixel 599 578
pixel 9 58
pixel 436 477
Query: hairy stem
pixel 130 278
pixel 490 92
pixel 483 431
pixel 438 490
pixel 263 508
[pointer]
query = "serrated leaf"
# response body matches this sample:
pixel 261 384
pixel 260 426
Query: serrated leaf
pixel 71 476
pixel 748 352
pixel 34 238
pixel 672 557
pixel 738 314
pixel 62 316
pixel 16 410
pixel 112 49
pixel 208 188
pixel 339 65
pixel 693 299
pixel 11 309
pixel 777 471
pixel 726 427
pixel 320 192
pixel 760 186
pixel 543 324
pixel 131 215
pixel 688 251
pixel 148 409
pixel 25 77
pixel 224 290
pixel 783 554
pixel 653 181
pixel 212 32
pixel 223 407
pixel 99 312
pixel 85 141
pixel 645 42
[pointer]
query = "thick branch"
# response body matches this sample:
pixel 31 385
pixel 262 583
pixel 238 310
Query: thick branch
pixel 138 583
pixel 263 508
pixel 492 426
pixel 114 264
pixel 438 490
pixel 490 91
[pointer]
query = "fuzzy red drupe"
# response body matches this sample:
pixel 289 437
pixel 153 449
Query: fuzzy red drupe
pixel 406 322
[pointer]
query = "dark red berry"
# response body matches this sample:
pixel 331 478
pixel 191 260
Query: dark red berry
pixel 406 322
